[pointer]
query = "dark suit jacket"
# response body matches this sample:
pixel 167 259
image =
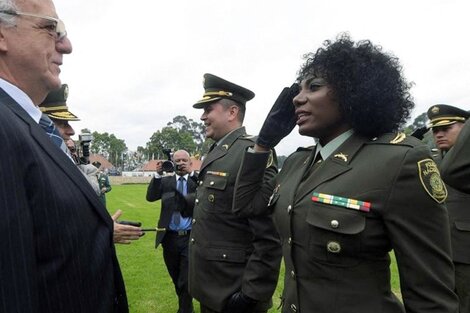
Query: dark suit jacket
pixel 455 167
pixel 57 252
pixel 337 258
pixel 227 252
pixel 164 188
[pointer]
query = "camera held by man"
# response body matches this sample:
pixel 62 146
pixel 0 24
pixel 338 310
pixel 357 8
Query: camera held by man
pixel 84 147
pixel 167 165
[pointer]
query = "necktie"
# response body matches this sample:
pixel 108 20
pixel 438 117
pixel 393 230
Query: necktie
pixel 212 147
pixel 180 188
pixel 314 164
pixel 53 133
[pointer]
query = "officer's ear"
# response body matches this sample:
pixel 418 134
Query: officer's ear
pixel 3 38
pixel 234 110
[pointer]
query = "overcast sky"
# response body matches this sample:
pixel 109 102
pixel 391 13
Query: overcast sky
pixel 137 64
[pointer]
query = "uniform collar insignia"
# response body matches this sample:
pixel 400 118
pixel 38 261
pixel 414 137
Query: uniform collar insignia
pixel 341 156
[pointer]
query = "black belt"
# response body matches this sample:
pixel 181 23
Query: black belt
pixel 179 232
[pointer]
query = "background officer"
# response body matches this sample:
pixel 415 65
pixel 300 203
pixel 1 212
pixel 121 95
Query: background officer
pixel 55 106
pixel 103 181
pixel 446 123
pixel 455 168
pixel 234 261
pixel 173 229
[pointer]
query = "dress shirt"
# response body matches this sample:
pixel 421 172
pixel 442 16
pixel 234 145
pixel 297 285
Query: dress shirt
pixel 22 99
pixel 185 222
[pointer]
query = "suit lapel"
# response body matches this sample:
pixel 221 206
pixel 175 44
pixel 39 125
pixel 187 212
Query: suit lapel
pixel 335 165
pixel 221 149
pixel 59 158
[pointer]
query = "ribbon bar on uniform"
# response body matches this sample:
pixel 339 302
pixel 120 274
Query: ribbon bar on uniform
pixel 341 201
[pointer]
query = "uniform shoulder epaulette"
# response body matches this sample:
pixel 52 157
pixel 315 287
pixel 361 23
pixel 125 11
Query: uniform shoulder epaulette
pixel 310 148
pixel 249 137
pixel 395 139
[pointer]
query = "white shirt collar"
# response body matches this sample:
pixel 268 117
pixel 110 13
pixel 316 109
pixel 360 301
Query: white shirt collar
pixel 330 147
pixel 178 176
pixel 22 99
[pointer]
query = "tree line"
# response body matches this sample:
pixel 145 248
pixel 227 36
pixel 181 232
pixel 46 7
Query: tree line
pixel 180 133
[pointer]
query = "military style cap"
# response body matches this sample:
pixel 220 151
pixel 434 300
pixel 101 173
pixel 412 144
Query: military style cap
pixel 443 115
pixel 217 88
pixel 55 105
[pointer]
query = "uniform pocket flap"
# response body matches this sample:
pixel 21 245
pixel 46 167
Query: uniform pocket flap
pixel 226 255
pixel 215 182
pixel 343 221
pixel 462 225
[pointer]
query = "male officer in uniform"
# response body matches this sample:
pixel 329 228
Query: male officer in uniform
pixel 55 106
pixel 234 261
pixel 103 181
pixel 173 229
pixel 455 168
pixel 446 123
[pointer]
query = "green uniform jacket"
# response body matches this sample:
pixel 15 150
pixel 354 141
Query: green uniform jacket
pixel 337 258
pixel 455 167
pixel 103 181
pixel 229 253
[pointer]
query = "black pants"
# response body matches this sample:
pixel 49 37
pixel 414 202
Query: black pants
pixel 205 309
pixel 175 254
pixel 462 286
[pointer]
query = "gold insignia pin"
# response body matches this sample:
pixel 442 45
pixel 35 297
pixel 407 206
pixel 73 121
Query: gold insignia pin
pixel 270 159
pixel 399 138
pixel 342 156
pixel 435 110
pixel 225 147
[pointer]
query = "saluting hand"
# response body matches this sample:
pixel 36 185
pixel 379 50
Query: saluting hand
pixel 280 120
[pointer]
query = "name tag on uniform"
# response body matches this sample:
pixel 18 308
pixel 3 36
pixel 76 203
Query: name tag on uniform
pixel 341 201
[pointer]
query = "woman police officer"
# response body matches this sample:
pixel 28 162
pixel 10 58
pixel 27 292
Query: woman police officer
pixel 341 206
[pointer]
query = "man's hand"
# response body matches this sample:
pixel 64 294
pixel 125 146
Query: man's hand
pixel 419 132
pixel 280 120
pixel 125 233
pixel 239 303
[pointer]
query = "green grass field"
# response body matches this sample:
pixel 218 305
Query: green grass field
pixel 149 287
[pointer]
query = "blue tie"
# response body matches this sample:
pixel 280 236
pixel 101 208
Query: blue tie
pixel 180 188
pixel 47 124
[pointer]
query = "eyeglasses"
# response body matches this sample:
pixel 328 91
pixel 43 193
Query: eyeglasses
pixel 57 28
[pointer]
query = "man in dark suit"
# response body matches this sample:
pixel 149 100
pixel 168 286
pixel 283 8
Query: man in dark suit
pixel 173 229
pixel 57 245
pixel 447 123
pixel 234 261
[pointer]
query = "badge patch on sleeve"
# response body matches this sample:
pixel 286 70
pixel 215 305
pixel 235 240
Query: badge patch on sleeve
pixel 431 180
